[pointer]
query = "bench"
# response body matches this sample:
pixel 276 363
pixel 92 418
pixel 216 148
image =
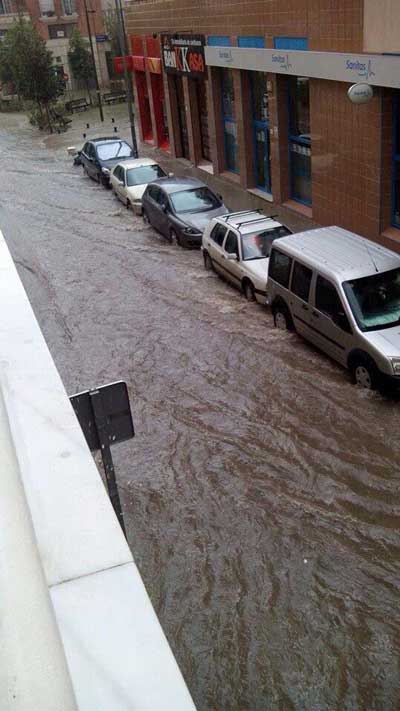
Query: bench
pixel 114 97
pixel 77 105
pixel 59 120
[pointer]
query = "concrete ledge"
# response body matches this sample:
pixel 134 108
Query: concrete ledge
pixel 76 621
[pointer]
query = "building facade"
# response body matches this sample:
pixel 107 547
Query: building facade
pixel 269 108
pixel 55 20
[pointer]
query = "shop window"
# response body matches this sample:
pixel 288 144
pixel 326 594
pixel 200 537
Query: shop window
pixel 47 8
pixel 396 163
pixel 299 139
pixel 260 113
pixel 219 41
pixel 229 120
pixel 291 43
pixel 258 42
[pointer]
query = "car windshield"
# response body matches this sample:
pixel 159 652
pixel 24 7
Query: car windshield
pixel 144 174
pixel 114 149
pixel 375 300
pixel 257 245
pixel 194 200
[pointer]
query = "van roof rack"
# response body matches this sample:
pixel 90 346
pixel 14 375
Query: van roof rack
pixel 241 212
pixel 259 219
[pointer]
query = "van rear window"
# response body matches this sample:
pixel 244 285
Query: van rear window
pixel 279 267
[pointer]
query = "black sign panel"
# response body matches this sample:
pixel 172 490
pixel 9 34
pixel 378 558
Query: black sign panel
pixel 183 54
pixel 113 401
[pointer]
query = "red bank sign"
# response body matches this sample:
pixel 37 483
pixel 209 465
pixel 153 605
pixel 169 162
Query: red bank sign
pixel 183 54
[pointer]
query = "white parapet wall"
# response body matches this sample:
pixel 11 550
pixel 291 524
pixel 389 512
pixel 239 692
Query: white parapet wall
pixel 77 629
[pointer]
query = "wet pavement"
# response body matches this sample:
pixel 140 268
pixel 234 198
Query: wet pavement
pixel 261 493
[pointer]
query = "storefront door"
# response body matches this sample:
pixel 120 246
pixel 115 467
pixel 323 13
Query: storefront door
pixel 180 98
pixel 229 121
pixel 202 103
pixel 300 139
pixel 262 160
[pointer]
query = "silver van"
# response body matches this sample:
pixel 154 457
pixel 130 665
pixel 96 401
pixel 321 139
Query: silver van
pixel 341 292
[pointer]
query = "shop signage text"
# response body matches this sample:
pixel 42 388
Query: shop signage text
pixel 183 54
pixel 377 70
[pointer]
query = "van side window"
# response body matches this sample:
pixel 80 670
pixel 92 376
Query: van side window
pixel 326 298
pixel 279 267
pixel 301 281
pixel 231 244
pixel 328 302
pixel 218 233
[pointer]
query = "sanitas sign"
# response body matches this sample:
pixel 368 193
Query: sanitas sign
pixel 183 54
pixel 360 93
pixel 374 69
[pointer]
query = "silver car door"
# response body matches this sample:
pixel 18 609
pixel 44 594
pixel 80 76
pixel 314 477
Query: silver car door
pixel 299 294
pixel 330 325
pixel 214 244
pixel 231 267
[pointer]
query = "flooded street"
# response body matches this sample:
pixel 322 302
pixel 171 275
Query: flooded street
pixel 261 492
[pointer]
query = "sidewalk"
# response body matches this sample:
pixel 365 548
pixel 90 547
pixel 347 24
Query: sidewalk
pixel 234 196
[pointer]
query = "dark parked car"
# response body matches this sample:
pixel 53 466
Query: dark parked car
pixel 99 155
pixel 180 208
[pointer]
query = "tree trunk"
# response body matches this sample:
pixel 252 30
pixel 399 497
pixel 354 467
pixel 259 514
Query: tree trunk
pixel 88 91
pixel 48 118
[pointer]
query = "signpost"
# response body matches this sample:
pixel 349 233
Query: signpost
pixel 104 415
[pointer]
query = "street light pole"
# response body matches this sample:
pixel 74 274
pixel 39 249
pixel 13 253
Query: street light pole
pixel 128 81
pixel 94 62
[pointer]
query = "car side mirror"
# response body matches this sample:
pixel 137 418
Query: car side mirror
pixel 232 256
pixel 220 197
pixel 164 208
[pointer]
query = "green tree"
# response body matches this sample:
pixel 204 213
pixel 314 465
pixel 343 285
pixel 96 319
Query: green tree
pixel 25 60
pixel 80 59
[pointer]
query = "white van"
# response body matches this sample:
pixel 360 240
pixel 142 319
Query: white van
pixel 341 292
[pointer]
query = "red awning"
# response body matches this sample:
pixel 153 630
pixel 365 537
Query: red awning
pixel 154 65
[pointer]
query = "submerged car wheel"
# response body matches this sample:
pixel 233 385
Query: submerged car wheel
pixel 208 265
pixel 128 205
pixel 248 291
pixel 174 238
pixel 145 218
pixel 282 317
pixel 365 373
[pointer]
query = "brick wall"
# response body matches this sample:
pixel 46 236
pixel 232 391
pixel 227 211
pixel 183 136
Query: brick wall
pixel 331 25
pixel 346 158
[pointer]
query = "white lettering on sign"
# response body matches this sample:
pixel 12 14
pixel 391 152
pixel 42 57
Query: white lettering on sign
pixel 185 66
pixel 169 58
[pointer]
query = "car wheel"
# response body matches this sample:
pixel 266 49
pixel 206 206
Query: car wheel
pixel 365 373
pixel 145 218
pixel 174 238
pixel 282 318
pixel 208 265
pixel 128 205
pixel 248 291
pixel 103 181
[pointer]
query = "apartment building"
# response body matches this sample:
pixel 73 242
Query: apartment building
pixel 55 20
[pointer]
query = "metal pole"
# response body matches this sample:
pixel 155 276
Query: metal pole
pixel 102 431
pixel 128 80
pixel 94 63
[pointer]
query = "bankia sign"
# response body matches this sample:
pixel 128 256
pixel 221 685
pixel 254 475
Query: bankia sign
pixel 183 54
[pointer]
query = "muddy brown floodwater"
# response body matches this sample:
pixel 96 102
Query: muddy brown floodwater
pixel 261 492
